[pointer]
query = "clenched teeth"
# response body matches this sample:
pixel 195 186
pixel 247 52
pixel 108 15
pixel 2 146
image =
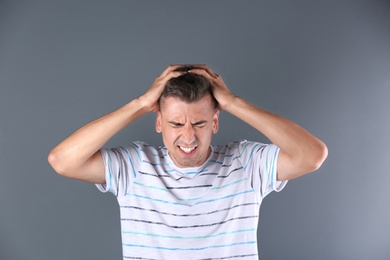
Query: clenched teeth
pixel 187 150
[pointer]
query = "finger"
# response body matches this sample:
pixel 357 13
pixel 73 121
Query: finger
pixel 169 75
pixel 174 74
pixel 169 69
pixel 204 73
pixel 163 79
pixel 206 68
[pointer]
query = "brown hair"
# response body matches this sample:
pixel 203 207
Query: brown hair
pixel 189 87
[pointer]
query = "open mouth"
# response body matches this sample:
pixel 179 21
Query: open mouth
pixel 187 149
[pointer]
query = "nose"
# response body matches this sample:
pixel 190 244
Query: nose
pixel 188 134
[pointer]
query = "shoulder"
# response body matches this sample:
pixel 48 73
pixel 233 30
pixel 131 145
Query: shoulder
pixel 239 145
pixel 229 146
pixel 150 153
pixel 135 149
pixel 245 149
pixel 234 148
pixel 147 149
pixel 143 146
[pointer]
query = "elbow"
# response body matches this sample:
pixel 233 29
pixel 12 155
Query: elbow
pixel 317 157
pixel 56 162
pixel 304 163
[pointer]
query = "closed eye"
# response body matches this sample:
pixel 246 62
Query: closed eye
pixel 200 123
pixel 175 124
pixel 196 124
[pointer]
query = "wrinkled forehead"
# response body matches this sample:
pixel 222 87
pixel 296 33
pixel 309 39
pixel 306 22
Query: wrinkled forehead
pixel 177 100
pixel 176 105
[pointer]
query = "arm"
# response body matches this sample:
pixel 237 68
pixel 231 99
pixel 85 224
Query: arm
pixel 78 156
pixel 300 151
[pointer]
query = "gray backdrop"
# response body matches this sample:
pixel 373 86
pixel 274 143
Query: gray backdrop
pixel 323 64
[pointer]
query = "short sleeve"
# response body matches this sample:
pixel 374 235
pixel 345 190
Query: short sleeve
pixel 260 161
pixel 119 170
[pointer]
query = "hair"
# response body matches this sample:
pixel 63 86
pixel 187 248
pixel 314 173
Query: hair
pixel 188 87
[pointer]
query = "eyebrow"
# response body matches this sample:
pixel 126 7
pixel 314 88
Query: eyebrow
pixel 201 122
pixel 194 124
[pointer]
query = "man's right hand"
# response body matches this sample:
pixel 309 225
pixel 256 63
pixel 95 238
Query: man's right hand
pixel 149 100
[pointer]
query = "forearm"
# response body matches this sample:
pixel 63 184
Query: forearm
pixel 279 130
pixel 79 147
pixel 301 151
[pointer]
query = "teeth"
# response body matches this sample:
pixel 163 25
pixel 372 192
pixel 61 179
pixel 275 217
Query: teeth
pixel 187 150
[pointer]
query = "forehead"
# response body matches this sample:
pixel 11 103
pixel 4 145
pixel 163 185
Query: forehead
pixel 174 106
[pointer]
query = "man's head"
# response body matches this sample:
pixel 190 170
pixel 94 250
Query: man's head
pixel 187 119
pixel 188 87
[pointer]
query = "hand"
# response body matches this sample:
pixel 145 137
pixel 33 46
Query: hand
pixel 220 91
pixel 149 99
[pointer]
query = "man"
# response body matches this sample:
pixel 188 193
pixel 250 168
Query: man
pixel 189 199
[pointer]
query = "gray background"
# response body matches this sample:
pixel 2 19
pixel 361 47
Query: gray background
pixel 323 64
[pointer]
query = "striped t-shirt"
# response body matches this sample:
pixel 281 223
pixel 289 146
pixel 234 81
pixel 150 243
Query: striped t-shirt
pixel 205 212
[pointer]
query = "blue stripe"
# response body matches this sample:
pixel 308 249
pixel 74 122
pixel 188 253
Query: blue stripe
pixel 267 173
pixel 149 198
pixel 273 167
pixel 110 172
pixel 136 150
pixel 243 150
pixel 250 156
pixel 229 184
pixel 226 197
pixel 190 248
pixel 215 161
pixel 271 175
pixel 182 204
pixel 150 186
pixel 189 237
pixel 203 170
pixel 266 163
pixel 131 161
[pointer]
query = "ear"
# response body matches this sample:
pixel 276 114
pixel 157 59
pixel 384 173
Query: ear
pixel 158 122
pixel 216 121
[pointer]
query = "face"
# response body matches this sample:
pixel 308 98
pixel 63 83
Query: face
pixel 187 129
